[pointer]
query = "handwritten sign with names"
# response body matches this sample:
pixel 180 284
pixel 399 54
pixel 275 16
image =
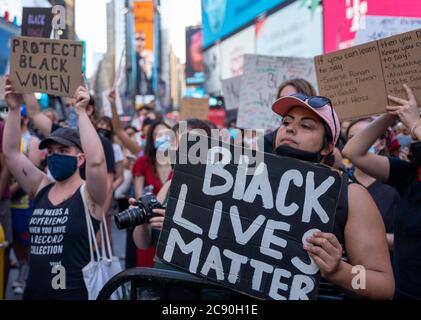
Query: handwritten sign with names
pixel 358 79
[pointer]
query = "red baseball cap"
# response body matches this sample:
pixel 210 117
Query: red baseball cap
pixel 321 106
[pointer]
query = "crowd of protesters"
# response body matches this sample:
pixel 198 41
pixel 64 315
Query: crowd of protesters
pixel 43 166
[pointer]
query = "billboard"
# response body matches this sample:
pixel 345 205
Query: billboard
pixel 194 55
pixel 213 70
pixel 143 12
pixel 294 31
pixel 36 22
pixel 233 50
pixel 6 32
pixel 222 17
pixel 343 18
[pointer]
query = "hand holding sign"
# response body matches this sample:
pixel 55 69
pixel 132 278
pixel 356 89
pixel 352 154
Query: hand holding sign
pixel 13 99
pixel 407 110
pixel 326 252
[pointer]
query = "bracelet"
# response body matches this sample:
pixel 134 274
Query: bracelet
pixel 414 127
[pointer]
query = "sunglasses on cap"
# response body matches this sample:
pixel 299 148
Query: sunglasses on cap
pixel 316 102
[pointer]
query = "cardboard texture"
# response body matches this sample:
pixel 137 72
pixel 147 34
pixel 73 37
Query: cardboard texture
pixel 192 108
pixel 358 79
pixel 44 65
pixel 259 86
pixel 219 226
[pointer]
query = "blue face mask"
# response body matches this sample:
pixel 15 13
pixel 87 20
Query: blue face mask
pixel 162 143
pixel 61 166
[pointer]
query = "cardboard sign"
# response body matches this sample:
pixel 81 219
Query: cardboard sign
pixel 36 22
pixel 44 65
pixel 231 90
pixel 246 232
pixel 192 108
pixel 358 79
pixel 379 27
pixel 259 86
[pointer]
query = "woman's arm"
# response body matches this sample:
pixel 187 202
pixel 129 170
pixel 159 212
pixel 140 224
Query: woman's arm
pixel 369 271
pixel 356 149
pixel 29 177
pixel 139 183
pixel 96 169
pixel 40 120
pixel 119 131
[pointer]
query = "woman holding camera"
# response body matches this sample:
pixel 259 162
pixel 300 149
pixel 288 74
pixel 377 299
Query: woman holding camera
pixel 146 235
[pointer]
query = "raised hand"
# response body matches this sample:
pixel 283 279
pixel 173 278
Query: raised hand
pixel 111 96
pixel 82 98
pixel 407 110
pixel 13 99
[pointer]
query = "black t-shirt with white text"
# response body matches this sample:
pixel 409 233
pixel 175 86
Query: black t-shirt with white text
pixel 59 237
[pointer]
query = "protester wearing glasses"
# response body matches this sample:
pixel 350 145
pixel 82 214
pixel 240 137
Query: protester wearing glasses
pixel 406 178
pixel 309 132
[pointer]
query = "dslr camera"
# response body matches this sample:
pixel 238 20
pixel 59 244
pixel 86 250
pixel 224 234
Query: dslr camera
pixel 140 214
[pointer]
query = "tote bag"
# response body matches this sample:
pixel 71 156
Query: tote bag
pixel 102 267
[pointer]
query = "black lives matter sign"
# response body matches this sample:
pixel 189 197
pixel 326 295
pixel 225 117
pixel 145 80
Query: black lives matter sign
pixel 246 232
pixel 44 65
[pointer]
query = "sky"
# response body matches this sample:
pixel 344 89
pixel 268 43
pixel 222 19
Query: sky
pixel 93 31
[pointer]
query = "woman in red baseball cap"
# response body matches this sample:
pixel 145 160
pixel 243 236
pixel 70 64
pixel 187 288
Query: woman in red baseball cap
pixel 309 132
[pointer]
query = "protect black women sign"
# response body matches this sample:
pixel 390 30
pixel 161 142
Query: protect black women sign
pixel 44 65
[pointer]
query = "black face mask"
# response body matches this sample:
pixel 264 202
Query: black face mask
pixel 104 133
pixel 287 151
pixel 416 152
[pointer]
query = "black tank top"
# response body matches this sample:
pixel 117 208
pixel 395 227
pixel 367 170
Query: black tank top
pixel 59 236
pixel 327 290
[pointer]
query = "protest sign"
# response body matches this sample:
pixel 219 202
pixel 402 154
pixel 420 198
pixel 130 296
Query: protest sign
pixel 379 27
pixel 259 86
pixel 246 231
pixel 358 79
pixel 44 65
pixel 192 108
pixel 231 90
pixel 36 22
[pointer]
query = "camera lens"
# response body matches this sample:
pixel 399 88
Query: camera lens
pixel 130 218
